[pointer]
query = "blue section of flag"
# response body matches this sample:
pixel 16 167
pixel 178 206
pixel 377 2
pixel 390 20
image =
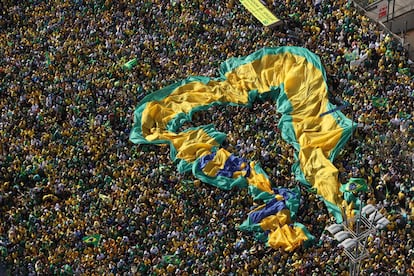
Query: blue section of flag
pixel 271 208
pixel 205 159
pixel 232 165
pixel 291 198
pixel 286 193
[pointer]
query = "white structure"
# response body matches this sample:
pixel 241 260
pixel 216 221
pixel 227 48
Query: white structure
pixel 353 233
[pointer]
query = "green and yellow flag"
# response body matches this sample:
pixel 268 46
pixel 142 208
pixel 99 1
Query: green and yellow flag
pixel 295 80
pixel 92 239
pixel 171 259
pixel 47 57
pixel 379 101
pixel 355 185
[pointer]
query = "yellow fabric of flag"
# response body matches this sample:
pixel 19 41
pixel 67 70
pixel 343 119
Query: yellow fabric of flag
pixel 259 180
pixel 217 163
pixel 190 145
pixel 287 237
pixel 276 221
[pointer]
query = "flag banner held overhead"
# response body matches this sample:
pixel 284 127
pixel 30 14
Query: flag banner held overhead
pixel 261 12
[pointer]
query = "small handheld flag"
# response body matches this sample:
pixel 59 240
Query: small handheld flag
pixel 171 259
pixel 92 239
pixel 128 65
pixel 379 101
pixel 354 185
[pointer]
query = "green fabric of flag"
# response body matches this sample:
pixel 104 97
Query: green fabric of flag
pixel 404 71
pixel 354 185
pixel 404 115
pixel 171 259
pixel 3 251
pixel 293 202
pixel 67 270
pixel 92 239
pixel 379 101
pixel 47 56
pixel 130 64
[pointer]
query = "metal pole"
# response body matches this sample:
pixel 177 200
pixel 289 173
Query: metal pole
pixel 371 223
pixel 358 216
pixel 344 215
pixel 358 222
pixel 351 267
pixel 388 10
pixel 405 31
pixel 352 122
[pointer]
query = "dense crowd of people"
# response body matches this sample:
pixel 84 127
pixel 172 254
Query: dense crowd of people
pixel 69 172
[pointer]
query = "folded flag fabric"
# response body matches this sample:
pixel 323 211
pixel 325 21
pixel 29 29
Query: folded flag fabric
pixel 271 208
pixel 204 160
pixel 222 169
pixel 92 239
pixel 291 198
pixel 233 165
pixel 354 185
pixel 230 167
pixel 294 79
pixel 288 238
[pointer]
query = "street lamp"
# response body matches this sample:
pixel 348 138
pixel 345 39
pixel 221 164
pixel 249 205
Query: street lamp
pixel 354 242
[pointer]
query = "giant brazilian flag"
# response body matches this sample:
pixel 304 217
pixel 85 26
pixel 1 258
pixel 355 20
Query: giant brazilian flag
pixel 295 80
